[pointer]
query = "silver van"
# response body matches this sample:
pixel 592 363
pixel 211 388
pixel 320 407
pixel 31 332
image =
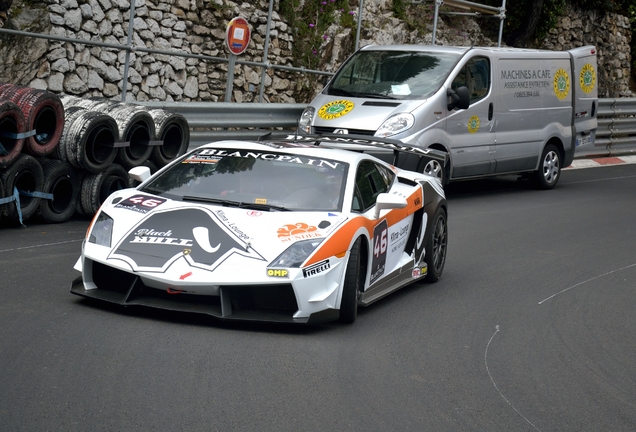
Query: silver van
pixel 493 110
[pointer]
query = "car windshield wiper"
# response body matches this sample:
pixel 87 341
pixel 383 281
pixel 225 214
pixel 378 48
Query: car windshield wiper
pixel 229 203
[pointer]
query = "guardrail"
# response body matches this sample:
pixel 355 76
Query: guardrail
pixel 214 121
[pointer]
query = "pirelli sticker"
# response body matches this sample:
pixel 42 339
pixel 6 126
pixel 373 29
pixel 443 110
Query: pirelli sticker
pixel 335 109
pixel 561 84
pixel 316 268
pixel 587 79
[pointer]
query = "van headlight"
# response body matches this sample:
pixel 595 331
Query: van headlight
pixel 395 124
pixel 306 118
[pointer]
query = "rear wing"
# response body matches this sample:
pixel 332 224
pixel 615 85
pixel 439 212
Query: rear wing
pixel 392 151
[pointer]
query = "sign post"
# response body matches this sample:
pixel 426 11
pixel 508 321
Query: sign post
pixel 237 38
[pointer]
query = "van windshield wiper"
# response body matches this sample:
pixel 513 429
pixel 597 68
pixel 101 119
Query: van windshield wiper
pixel 374 95
pixel 239 204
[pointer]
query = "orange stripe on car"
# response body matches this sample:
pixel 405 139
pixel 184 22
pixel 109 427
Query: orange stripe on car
pixel 339 241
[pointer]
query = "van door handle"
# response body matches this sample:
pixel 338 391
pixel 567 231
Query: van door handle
pixel 490 112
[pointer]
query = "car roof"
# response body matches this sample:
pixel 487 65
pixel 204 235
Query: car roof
pixel 418 48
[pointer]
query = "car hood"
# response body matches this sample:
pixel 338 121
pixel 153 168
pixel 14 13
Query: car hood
pixel 360 113
pixel 212 238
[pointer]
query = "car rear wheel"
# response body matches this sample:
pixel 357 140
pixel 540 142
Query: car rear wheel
pixel 353 282
pixel 549 170
pixel 436 246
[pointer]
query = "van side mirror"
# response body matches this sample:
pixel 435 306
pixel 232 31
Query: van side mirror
pixel 460 98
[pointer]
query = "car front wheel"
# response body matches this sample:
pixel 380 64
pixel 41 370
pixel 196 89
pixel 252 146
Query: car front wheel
pixel 436 246
pixel 353 281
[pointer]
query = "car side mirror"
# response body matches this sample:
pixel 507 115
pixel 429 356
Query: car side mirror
pixel 460 98
pixel 388 201
pixel 139 173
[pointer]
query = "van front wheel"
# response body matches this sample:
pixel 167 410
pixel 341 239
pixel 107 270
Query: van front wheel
pixel 435 169
pixel 549 170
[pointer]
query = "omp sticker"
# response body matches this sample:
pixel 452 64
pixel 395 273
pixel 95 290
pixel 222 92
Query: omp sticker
pixel 561 84
pixel 587 79
pixel 297 231
pixel 473 124
pixel 335 109
pixel 278 273
pixel 141 203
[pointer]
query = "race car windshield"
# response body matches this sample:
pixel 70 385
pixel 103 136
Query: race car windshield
pixel 274 181
pixel 392 74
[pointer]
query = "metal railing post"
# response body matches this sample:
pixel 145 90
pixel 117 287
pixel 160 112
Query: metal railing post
pixel 129 48
pixel 266 51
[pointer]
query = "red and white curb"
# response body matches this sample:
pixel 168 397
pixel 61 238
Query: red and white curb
pixel 603 161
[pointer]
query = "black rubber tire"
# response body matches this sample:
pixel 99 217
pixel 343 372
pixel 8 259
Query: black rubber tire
pixel 61 180
pixel 11 122
pixel 436 246
pixel 97 187
pixel 137 127
pixel 26 174
pixel 2 195
pixel 44 113
pixel 549 172
pixel 90 141
pixel 173 131
pixel 353 284
pixel 61 151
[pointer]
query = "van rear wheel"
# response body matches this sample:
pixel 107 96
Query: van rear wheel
pixel 549 170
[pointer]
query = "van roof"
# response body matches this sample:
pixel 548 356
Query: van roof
pixel 421 48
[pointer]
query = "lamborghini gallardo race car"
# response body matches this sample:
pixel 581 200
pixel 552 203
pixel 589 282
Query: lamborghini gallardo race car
pixel 298 229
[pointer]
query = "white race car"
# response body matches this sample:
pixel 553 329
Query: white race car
pixel 298 229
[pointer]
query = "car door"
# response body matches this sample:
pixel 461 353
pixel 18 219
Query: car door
pixel 389 236
pixel 472 144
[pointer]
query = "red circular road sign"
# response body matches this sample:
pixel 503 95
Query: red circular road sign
pixel 237 35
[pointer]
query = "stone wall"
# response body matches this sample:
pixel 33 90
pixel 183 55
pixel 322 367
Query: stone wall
pixel 610 33
pixel 198 27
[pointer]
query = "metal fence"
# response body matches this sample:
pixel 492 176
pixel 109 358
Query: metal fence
pixel 214 121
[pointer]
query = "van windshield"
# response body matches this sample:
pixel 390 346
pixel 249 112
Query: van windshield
pixel 392 74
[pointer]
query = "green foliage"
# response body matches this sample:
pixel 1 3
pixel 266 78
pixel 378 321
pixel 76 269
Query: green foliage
pixel 310 24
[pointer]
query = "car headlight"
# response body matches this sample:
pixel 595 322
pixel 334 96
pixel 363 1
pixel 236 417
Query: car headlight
pixel 395 124
pixel 296 254
pixel 102 230
pixel 304 124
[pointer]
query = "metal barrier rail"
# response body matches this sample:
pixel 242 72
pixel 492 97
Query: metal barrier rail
pixel 616 133
pixel 214 121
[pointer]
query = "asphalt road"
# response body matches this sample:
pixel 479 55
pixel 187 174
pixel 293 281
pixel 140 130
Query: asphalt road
pixel 531 328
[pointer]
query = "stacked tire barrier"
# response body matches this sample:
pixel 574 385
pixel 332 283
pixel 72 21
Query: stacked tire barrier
pixel 61 156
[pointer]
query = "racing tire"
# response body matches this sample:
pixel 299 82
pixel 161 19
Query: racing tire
pixel 90 141
pixel 2 195
pixel 174 132
pixel 62 181
pixel 12 122
pixel 96 188
pixel 549 172
pixel 136 127
pixel 61 152
pixel 436 246
pixel 353 283
pixel 44 113
pixel 25 174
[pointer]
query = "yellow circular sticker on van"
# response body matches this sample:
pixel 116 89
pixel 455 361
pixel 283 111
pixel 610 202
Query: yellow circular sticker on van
pixel 587 78
pixel 335 109
pixel 473 124
pixel 561 84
